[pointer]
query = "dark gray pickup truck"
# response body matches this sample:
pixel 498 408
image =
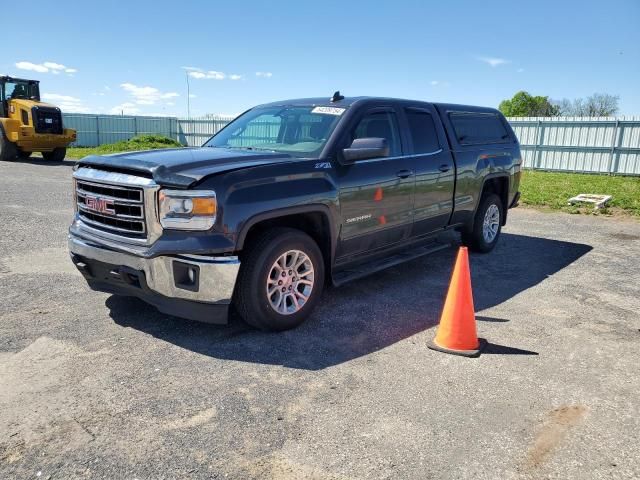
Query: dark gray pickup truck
pixel 289 197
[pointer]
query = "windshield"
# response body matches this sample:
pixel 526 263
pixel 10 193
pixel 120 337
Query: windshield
pixel 298 131
pixel 21 89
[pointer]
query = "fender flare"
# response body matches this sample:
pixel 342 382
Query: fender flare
pixel 491 176
pixel 286 211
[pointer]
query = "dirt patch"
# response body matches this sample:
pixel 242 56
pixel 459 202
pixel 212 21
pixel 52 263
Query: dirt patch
pixel 47 260
pixel 553 431
pixel 200 418
pixel 624 236
pixel 278 466
pixel 32 402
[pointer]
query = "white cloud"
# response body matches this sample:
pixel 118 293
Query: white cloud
pixel 193 95
pixel 434 82
pixel 54 66
pixel 147 95
pixel 55 97
pixel 520 70
pixel 104 91
pixel 264 74
pixel 199 74
pixel 66 103
pixel 493 61
pixel 74 108
pixel 32 66
pixel 210 75
pixel 126 108
pixel 46 67
pixel 159 114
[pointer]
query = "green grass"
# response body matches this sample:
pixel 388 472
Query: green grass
pixel 141 142
pixel 552 190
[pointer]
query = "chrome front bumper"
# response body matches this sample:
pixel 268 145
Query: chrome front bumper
pixel 216 278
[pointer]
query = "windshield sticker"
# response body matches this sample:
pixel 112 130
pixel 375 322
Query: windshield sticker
pixel 328 110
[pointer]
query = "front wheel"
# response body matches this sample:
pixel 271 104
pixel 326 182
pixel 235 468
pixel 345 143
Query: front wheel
pixel 487 224
pixel 56 155
pixel 280 281
pixel 8 150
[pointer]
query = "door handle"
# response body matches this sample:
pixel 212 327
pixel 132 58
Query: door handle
pixel 404 173
pixel 444 168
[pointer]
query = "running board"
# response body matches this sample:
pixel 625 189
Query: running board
pixel 365 269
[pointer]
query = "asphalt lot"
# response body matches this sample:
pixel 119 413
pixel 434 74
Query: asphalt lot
pixel 93 386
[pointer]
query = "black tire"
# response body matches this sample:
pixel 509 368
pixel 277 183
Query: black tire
pixel 57 155
pixel 251 299
pixel 474 238
pixel 8 150
pixel 23 155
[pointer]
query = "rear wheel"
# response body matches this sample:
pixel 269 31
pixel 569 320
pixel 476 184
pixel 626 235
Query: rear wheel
pixel 280 280
pixel 487 224
pixel 8 150
pixel 56 155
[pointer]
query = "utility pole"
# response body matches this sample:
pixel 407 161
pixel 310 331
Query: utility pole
pixel 188 98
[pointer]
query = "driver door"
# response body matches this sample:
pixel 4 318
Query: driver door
pixel 376 195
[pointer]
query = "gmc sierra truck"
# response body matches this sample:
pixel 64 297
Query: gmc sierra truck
pixel 290 197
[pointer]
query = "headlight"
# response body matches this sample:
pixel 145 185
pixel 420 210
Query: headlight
pixel 187 210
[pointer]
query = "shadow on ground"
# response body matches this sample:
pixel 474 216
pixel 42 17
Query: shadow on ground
pixel 37 160
pixel 369 314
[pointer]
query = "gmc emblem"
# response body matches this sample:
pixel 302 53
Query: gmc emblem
pixel 100 205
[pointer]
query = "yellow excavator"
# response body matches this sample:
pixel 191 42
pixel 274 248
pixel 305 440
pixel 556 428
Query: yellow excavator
pixel 28 125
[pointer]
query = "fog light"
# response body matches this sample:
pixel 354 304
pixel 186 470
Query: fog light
pixel 186 276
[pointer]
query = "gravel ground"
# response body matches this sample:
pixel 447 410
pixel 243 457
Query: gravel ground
pixel 105 387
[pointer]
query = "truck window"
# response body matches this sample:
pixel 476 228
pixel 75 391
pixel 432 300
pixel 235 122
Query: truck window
pixel 423 131
pixel 479 128
pixel 262 130
pixel 380 125
pixel 298 131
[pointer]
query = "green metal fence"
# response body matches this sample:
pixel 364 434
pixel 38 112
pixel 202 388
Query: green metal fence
pixel 575 144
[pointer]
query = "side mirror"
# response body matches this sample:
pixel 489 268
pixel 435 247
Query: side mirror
pixel 364 148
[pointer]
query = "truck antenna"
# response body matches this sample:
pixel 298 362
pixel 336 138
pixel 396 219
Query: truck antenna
pixel 336 97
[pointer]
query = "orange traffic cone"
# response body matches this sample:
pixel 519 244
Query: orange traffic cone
pixel 457 330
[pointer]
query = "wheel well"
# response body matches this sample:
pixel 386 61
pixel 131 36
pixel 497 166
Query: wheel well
pixel 314 224
pixel 499 186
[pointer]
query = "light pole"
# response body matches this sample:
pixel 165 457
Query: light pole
pixel 188 98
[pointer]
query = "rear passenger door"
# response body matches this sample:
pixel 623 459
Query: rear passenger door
pixel 434 169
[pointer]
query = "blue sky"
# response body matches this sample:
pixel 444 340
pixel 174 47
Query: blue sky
pixel 113 56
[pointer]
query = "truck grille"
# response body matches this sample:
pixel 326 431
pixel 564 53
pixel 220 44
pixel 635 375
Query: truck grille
pixel 112 208
pixel 47 120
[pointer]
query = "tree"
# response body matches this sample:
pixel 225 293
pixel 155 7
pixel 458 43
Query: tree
pixel 525 105
pixel 596 105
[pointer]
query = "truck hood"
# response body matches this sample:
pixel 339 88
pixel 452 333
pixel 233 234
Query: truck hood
pixel 182 167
